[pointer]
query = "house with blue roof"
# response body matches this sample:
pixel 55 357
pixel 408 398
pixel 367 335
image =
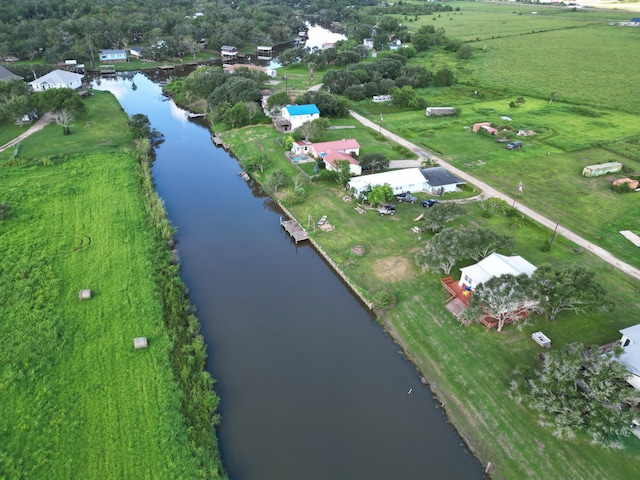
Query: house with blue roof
pixel 296 115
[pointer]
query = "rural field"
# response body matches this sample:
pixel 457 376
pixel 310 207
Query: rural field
pixel 77 400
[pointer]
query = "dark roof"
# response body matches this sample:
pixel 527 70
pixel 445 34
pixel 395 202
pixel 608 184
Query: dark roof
pixel 438 176
pixel 6 75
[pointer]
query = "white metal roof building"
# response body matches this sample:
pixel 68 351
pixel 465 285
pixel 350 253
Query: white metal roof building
pixel 630 357
pixel 405 180
pixel 57 79
pixel 494 265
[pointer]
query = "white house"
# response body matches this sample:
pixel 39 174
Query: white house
pixel 494 265
pixel 439 181
pixel 630 357
pixel 57 79
pixel 405 180
pixel 135 52
pixel 113 55
pixel 296 115
pixel 331 153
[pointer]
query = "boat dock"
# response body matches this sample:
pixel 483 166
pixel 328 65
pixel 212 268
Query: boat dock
pixel 217 141
pixel 244 175
pixel 294 229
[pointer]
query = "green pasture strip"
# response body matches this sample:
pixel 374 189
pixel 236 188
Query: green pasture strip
pixel 485 20
pixel 469 367
pixel 77 400
pixel 76 397
pixel 547 63
pixel 9 131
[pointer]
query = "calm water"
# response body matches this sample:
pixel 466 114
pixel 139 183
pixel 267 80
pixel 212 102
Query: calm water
pixel 311 387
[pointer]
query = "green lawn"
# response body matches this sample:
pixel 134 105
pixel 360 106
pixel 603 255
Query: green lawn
pixel 469 367
pixel 77 400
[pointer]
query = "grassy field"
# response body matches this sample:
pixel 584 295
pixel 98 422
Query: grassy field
pixel 77 400
pixel 470 368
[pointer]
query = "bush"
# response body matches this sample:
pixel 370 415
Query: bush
pixel 383 300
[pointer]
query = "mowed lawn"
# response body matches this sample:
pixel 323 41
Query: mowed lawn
pixel 76 399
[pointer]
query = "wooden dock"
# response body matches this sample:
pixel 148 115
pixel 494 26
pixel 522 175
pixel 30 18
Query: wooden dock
pixel 217 141
pixel 294 229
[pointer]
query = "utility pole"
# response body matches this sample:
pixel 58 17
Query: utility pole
pixel 380 132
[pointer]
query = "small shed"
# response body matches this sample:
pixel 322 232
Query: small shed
pixel 140 342
pixel 601 169
pixel 440 111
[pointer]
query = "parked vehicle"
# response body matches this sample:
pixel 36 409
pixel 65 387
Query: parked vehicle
pixel 514 145
pixel 406 197
pixel 429 203
pixel 389 206
pixel 386 211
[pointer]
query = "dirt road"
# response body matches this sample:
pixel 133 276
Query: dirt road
pixel 36 127
pixel 492 192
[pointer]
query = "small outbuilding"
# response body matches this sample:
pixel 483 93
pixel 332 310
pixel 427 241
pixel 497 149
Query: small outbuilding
pixel 601 169
pixel 140 342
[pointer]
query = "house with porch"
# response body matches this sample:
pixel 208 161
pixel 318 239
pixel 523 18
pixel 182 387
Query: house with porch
pixel 113 56
pixel 494 265
pixel 228 52
pixel 57 79
pixel 296 115
pixel 630 358
pixel 439 181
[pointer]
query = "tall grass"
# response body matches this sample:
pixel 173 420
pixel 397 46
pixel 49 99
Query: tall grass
pixel 77 400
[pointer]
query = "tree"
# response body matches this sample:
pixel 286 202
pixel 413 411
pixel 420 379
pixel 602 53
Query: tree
pixel 441 213
pixel 277 100
pixel 140 127
pixel 477 242
pixel 569 287
pixel 374 161
pixel 578 389
pixel 506 298
pixel 237 115
pixel 64 103
pixel 406 97
pixel 444 78
pixel 465 52
pixel 315 129
pixel 492 205
pixel 441 252
pixel 380 194
pixel 278 179
pixel 256 161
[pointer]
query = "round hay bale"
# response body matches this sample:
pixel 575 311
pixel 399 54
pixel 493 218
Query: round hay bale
pixel 140 342
pixel 85 294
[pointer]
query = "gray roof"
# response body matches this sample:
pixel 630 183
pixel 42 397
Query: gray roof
pixel 438 176
pixel 6 75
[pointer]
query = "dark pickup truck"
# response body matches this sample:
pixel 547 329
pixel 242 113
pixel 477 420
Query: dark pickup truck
pixel 406 197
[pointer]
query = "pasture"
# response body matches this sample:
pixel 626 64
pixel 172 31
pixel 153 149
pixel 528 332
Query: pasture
pixel 77 400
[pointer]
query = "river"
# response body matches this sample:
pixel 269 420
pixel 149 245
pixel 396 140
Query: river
pixel 311 387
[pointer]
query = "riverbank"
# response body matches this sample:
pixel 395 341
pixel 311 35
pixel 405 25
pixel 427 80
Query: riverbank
pixel 468 368
pixel 78 401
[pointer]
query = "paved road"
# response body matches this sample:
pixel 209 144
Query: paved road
pixel 36 127
pixel 489 191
